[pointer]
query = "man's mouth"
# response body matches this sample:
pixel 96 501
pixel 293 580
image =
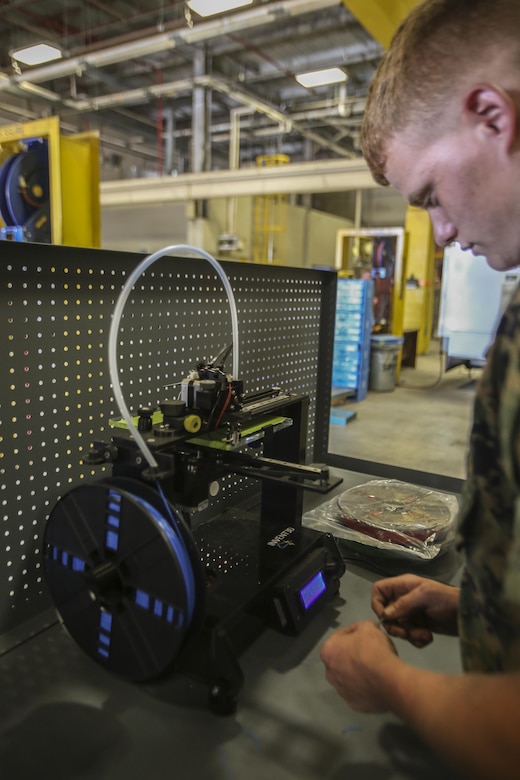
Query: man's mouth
pixel 470 248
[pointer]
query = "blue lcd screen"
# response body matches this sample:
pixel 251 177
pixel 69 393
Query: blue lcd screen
pixel 313 590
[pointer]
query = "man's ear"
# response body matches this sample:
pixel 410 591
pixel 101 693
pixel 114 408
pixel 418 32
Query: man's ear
pixel 493 112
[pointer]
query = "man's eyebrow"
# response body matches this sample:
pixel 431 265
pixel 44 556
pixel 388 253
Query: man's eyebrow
pixel 421 196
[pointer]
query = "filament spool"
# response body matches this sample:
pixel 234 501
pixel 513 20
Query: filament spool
pixel 124 574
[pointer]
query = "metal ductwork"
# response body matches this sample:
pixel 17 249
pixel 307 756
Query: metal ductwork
pixel 275 33
pixel 219 85
pixel 204 31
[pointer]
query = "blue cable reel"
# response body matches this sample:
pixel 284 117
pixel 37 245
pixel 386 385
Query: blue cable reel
pixel 124 574
pixel 25 192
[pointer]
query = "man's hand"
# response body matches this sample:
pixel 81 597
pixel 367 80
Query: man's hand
pixel 354 658
pixel 414 608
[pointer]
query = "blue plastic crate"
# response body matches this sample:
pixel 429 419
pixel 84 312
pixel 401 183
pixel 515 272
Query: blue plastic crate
pixel 353 329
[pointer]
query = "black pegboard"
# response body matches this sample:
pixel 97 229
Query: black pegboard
pixel 55 394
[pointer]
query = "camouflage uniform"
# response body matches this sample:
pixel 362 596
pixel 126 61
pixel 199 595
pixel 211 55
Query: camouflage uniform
pixel 489 613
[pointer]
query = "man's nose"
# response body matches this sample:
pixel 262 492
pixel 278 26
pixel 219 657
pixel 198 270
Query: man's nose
pixel 444 231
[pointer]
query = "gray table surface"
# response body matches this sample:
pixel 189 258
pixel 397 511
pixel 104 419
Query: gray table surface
pixel 62 717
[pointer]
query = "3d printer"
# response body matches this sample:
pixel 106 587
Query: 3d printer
pixel 142 586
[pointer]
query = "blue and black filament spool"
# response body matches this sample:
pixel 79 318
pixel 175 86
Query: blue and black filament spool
pixel 124 573
pixel 24 189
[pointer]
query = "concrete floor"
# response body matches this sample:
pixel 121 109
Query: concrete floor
pixel 423 424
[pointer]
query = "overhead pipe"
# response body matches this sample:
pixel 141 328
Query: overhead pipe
pixel 203 31
pixel 169 140
pixel 234 161
pixel 131 96
pixel 21 88
pixel 328 110
pixel 159 127
pixel 254 104
pixel 264 108
pixel 226 25
pixel 343 106
pixel 171 88
pixel 168 89
pixel 198 113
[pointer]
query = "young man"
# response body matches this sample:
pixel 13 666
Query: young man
pixel 442 125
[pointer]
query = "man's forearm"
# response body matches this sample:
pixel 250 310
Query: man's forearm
pixel 472 720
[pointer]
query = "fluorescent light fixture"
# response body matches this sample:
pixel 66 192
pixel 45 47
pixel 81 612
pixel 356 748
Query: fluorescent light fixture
pixel 317 78
pixel 212 7
pixel 37 54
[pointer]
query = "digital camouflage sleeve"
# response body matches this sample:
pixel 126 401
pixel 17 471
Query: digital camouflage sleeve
pixel 489 520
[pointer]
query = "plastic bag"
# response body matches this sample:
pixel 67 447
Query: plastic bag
pixel 390 515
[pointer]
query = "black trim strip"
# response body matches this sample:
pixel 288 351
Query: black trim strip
pixel 388 471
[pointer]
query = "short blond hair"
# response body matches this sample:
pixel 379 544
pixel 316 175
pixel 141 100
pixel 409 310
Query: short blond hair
pixel 439 43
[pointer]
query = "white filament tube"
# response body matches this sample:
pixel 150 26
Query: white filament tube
pixel 116 320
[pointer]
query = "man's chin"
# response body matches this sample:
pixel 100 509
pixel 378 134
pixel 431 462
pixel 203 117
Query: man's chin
pixel 502 263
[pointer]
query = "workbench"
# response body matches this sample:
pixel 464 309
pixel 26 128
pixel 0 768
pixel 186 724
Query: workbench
pixel 66 718
pixel 63 717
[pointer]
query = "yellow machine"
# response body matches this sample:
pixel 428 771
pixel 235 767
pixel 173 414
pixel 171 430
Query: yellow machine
pixel 270 218
pixel 376 254
pixel 49 185
pixel 420 277
pixel 401 263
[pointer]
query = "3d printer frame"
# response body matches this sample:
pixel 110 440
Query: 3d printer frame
pixel 129 576
pixel 123 594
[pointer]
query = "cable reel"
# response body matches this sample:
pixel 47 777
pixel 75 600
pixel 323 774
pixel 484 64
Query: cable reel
pixel 25 192
pixel 124 573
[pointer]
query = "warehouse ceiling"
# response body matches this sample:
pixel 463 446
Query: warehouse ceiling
pixel 172 92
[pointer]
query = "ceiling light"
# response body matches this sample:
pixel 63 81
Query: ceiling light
pixel 37 54
pixel 211 7
pixel 317 78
